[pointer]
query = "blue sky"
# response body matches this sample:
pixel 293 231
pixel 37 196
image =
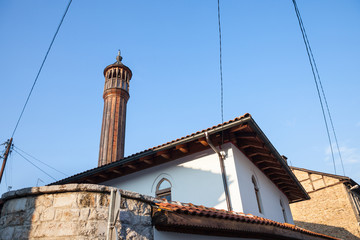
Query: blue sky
pixel 172 48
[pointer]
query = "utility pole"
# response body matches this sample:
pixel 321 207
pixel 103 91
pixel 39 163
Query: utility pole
pixel 7 152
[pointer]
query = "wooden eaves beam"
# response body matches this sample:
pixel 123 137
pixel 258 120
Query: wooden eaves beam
pixel 239 128
pixel 280 178
pixel 270 167
pixel 286 186
pixel 90 181
pixel 115 171
pixel 103 176
pixel 251 143
pixel 147 160
pixel 259 153
pixel 203 142
pixel 131 166
pixel 246 135
pixel 276 173
pixel 183 148
pixel 164 154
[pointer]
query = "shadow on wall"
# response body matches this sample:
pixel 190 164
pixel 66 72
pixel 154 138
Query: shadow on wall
pixel 333 231
pixel 17 218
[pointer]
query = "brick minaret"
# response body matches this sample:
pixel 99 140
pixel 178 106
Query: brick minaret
pixel 116 95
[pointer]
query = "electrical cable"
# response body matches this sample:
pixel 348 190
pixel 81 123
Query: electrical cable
pixel 40 161
pixel 322 90
pixel 35 165
pixel 42 64
pixel 314 69
pixel 221 73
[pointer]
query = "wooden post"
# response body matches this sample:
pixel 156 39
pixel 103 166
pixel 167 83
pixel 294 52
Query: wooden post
pixel 5 158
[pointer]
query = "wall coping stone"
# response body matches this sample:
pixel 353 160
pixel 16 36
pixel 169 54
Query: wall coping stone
pixel 33 191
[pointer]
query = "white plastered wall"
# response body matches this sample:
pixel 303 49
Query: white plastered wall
pixel 270 194
pixel 197 179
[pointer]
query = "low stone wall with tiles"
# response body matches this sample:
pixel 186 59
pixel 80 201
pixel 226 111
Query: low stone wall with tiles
pixel 72 211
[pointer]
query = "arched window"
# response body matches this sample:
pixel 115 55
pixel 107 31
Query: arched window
pixel 257 194
pixel 163 189
pixel 283 210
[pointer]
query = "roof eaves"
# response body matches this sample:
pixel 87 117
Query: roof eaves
pixel 279 157
pixel 220 127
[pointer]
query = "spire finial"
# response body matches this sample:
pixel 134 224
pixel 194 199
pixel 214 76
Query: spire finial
pixel 119 57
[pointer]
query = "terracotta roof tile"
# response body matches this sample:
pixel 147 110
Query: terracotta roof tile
pixel 191 209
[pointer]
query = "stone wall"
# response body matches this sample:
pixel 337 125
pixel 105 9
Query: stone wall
pixel 329 211
pixel 72 211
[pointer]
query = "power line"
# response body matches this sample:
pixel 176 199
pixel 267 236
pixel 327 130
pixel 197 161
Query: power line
pixel 41 161
pixel 324 96
pixel 318 82
pixel 42 64
pixel 221 74
pixel 34 165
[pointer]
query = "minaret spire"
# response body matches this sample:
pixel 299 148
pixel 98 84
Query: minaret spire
pixel 116 95
pixel 119 57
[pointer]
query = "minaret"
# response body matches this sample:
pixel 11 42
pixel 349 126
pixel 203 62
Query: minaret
pixel 116 95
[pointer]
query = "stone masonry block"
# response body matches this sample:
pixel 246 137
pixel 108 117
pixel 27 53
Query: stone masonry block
pixel 69 215
pixel 21 232
pixel 137 207
pixel 7 233
pixel 17 205
pixel 88 228
pixel 318 183
pixel 58 214
pixel 48 214
pixel 101 229
pixel 64 200
pixel 87 200
pixel 47 230
pixel 307 185
pixel 103 200
pixel 315 176
pixel 45 200
pixel 84 213
pixel 66 229
pixel 301 175
pixel 330 180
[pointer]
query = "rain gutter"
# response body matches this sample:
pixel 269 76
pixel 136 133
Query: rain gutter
pixel 221 156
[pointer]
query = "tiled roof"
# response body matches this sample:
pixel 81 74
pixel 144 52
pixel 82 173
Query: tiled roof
pixel 157 147
pixel 201 211
pixel 242 132
pixel 194 134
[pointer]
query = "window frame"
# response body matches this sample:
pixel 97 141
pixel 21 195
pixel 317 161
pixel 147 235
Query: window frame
pixel 257 194
pixel 283 211
pixel 163 193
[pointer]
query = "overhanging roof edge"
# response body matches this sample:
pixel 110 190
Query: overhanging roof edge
pixel 278 156
pixel 150 151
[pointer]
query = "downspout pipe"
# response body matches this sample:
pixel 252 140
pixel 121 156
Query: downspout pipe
pixel 223 172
